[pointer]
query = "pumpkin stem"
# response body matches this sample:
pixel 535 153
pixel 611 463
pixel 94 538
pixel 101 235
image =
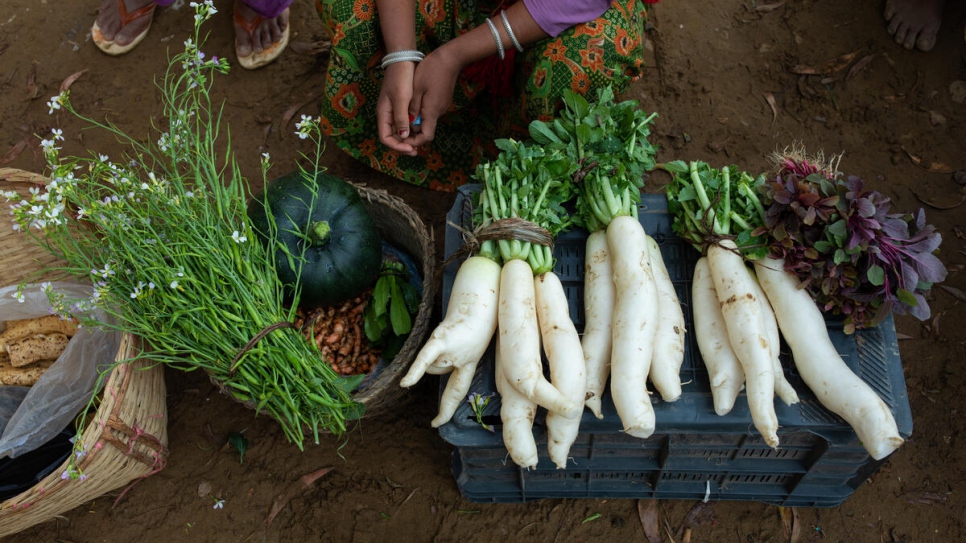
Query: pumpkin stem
pixel 319 232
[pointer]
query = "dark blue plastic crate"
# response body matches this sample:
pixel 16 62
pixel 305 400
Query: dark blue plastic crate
pixel 694 453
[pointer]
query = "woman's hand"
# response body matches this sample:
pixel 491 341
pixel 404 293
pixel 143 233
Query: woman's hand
pixel 393 107
pixel 433 86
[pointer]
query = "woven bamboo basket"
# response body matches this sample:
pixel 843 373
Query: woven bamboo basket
pixel 401 226
pixel 127 435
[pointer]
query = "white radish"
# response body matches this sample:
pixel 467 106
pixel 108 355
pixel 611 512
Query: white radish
pixel 457 387
pixel 598 310
pixel 724 370
pixel 821 367
pixel 742 313
pixel 633 326
pixel 520 341
pixel 668 349
pixel 517 413
pixel 460 340
pixel 470 322
pixel 561 344
pixel 783 388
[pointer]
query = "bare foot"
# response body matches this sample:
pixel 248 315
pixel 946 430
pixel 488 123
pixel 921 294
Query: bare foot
pixel 111 26
pixel 262 35
pixel 914 23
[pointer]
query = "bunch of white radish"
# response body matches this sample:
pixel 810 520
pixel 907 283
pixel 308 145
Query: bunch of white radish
pixel 715 211
pixel 633 322
pixel 738 312
pixel 517 215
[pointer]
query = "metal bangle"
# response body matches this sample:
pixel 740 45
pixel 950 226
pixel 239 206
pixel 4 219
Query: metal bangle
pixel 406 52
pixel 388 62
pixel 496 36
pixel 509 30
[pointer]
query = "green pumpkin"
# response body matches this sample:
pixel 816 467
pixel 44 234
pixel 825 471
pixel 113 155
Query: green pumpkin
pixel 325 220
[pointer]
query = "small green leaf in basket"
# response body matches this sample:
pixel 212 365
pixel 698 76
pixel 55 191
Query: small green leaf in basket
pixel 398 312
pixel 373 326
pixel 349 383
pixel 240 443
pixel 381 293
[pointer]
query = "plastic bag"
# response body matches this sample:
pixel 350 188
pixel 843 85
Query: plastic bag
pixel 68 385
pixel 10 399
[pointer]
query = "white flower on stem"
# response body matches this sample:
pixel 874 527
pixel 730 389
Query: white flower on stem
pixel 238 237
pixel 54 103
pixel 219 504
pixel 138 290
pixel 19 296
pixel 58 134
pixel 174 284
pixel 304 126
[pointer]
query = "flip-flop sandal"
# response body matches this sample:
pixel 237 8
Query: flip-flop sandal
pixel 257 60
pixel 115 49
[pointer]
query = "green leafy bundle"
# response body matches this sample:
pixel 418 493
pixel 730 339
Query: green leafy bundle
pixel 164 237
pixel 528 183
pixel 707 204
pixel 608 141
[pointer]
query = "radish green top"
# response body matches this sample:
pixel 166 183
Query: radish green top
pixel 708 204
pixel 608 142
pixel 530 183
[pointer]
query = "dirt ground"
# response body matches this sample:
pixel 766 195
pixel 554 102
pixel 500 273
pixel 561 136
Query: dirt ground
pixel 728 79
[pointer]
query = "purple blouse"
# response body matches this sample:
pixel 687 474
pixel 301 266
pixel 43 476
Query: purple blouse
pixel 555 16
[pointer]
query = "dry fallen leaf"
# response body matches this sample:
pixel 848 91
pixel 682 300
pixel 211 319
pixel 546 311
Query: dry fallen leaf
pixel 14 151
pixel 962 199
pixel 33 91
pixel 925 498
pixel 765 8
pixel 293 489
pixel 774 107
pixel 701 513
pixel 790 522
pixel 648 512
pixel 66 83
pixel 955 292
pixel 859 66
pixel 933 167
pixel 291 111
pixel 830 66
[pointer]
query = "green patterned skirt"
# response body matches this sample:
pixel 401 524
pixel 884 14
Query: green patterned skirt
pixel 605 51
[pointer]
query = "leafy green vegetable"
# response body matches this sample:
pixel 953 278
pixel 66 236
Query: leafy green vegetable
pixel 608 141
pixel 388 316
pixel 855 257
pixel 708 204
pixel 525 182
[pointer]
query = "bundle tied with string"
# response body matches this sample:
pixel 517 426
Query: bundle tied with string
pixel 509 229
pixel 125 439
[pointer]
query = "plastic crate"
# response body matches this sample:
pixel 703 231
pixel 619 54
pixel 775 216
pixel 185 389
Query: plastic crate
pixel 694 453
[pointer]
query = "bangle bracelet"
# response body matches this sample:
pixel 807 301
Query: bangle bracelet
pixel 509 30
pixel 402 56
pixel 496 36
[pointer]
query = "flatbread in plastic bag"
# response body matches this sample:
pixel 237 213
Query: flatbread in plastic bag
pixel 66 387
